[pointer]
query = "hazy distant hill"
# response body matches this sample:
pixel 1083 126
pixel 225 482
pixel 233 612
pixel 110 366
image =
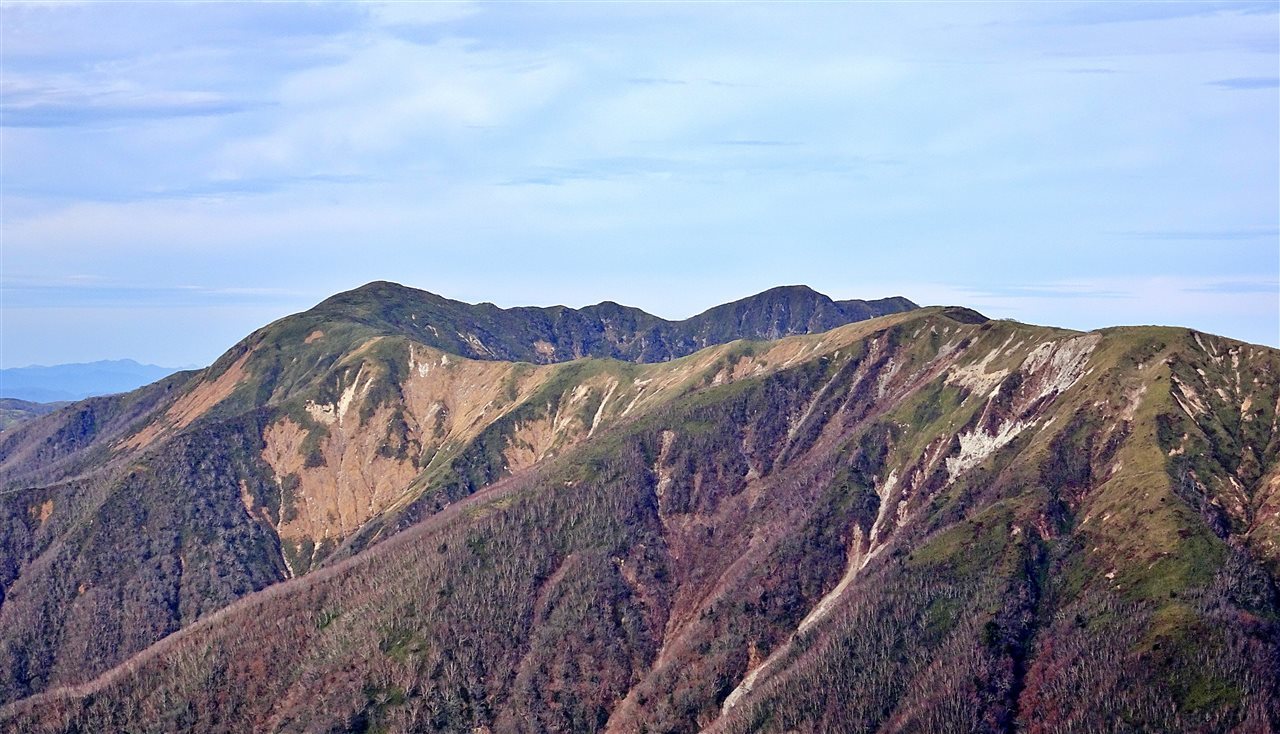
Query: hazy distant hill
pixel 43 384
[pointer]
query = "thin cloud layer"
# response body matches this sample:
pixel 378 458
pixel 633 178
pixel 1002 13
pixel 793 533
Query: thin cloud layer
pixel 1247 83
pixel 668 156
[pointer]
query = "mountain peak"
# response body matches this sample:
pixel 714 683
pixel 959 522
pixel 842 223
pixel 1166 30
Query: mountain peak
pixel 378 290
pixel 799 288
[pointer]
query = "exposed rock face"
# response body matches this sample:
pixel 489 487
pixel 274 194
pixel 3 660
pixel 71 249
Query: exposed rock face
pixel 927 521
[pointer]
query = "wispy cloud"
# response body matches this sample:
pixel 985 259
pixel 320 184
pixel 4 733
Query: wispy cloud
pixel 104 292
pixel 1237 286
pixel 1110 288
pixel 35 106
pixel 426 95
pixel 408 14
pixel 197 190
pixel 750 143
pixel 650 80
pixel 1247 82
pixel 1206 235
pixel 740 158
pixel 1137 12
pixel 598 169
pixel 1069 290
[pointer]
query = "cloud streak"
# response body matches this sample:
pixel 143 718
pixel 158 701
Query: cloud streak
pixel 207 189
pixel 1146 12
pixel 52 107
pixel 1212 235
pixel 1246 83
pixel 94 292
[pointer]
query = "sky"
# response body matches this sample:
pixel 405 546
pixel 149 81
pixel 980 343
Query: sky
pixel 173 176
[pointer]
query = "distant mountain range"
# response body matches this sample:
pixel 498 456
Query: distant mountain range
pixel 63 382
pixel 396 512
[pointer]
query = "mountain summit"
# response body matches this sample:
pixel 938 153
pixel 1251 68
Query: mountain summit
pixel 400 513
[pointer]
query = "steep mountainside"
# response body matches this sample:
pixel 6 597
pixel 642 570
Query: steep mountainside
pixel 131 516
pixel 923 522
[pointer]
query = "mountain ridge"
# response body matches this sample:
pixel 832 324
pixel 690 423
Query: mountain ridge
pixel 547 334
pixel 1059 529
pixel 271 412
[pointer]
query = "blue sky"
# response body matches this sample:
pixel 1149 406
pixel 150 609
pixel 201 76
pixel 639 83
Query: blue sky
pixel 175 176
